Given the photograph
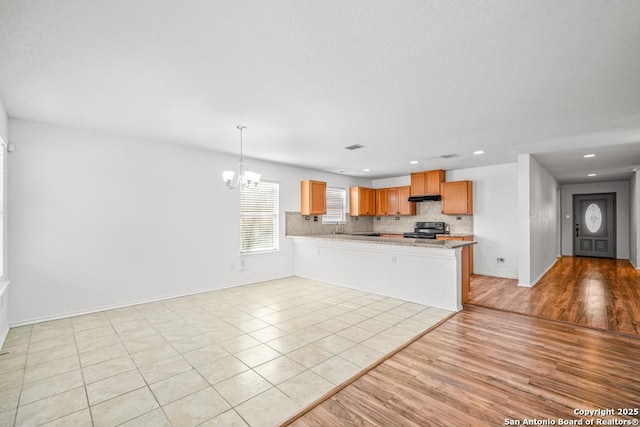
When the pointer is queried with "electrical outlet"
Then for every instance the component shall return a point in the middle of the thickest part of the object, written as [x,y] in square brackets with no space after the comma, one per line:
[500,260]
[394,260]
[233,266]
[242,264]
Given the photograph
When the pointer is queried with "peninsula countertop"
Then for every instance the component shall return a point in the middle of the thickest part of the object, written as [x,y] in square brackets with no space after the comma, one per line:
[420,243]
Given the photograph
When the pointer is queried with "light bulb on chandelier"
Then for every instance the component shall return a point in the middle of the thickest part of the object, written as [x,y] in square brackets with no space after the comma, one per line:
[246,178]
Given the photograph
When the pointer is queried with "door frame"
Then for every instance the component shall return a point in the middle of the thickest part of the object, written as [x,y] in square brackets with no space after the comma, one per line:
[614,240]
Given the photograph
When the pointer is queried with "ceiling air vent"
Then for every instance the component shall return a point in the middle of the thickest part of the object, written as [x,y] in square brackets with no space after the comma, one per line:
[354,147]
[449,156]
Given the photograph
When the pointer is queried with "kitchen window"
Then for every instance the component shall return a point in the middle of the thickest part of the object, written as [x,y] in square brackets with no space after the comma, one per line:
[259,218]
[336,206]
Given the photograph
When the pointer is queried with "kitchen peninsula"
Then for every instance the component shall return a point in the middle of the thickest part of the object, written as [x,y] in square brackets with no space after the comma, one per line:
[424,271]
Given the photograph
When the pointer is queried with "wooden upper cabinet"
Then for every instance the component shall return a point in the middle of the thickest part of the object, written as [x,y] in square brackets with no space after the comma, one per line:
[362,201]
[393,203]
[457,197]
[433,180]
[427,182]
[382,201]
[313,197]
[418,184]
[405,207]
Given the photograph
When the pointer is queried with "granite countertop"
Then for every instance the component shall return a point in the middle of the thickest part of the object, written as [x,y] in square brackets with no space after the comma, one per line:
[421,243]
[457,235]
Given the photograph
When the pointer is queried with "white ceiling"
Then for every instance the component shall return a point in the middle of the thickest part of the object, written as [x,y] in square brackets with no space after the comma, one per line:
[409,80]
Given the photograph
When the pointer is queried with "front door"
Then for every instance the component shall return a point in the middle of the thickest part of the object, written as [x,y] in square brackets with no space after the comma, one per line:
[594,233]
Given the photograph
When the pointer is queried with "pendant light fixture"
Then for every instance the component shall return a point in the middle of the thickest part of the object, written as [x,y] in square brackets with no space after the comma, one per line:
[246,178]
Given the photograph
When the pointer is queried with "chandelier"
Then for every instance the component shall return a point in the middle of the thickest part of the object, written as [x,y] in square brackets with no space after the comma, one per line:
[246,178]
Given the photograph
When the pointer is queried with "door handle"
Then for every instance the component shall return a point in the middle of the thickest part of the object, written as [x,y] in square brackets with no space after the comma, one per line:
[577,230]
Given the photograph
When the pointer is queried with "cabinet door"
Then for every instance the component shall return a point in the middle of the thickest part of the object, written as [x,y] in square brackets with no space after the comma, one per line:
[370,197]
[393,202]
[382,207]
[405,207]
[318,198]
[355,200]
[362,201]
[313,197]
[457,198]
[433,180]
[418,184]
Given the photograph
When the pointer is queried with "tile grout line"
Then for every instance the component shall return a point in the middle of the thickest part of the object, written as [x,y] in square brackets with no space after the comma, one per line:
[343,304]
[24,373]
[84,383]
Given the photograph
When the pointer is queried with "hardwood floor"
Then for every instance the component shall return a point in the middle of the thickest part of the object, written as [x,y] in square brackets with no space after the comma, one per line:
[483,367]
[594,292]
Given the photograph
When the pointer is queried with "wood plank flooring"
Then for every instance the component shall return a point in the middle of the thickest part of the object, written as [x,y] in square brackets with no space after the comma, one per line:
[594,292]
[484,366]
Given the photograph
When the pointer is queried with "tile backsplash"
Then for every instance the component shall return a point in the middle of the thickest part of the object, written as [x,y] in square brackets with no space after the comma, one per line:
[425,211]
[297,225]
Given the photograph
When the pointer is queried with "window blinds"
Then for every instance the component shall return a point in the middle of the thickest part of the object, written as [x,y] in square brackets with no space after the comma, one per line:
[336,205]
[259,218]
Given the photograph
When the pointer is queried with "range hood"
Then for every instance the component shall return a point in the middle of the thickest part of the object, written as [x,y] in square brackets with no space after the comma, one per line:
[435,197]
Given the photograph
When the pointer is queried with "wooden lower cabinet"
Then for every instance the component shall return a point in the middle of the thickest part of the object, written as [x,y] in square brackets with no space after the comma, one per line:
[467,264]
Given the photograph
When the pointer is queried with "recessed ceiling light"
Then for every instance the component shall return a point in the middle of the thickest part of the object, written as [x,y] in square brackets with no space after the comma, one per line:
[414,162]
[478,152]
[586,156]
[366,170]
[592,174]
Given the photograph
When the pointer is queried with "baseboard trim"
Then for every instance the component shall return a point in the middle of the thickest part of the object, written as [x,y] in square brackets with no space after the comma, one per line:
[137,302]
[3,335]
[533,283]
[4,311]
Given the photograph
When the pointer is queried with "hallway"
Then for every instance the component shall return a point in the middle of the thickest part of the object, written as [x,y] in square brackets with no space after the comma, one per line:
[598,293]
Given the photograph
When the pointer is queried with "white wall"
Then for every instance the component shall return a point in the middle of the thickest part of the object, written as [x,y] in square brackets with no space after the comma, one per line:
[621,188]
[4,290]
[538,208]
[495,221]
[634,219]
[101,221]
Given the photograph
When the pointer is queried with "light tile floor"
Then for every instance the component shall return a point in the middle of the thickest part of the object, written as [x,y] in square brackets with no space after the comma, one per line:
[249,355]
